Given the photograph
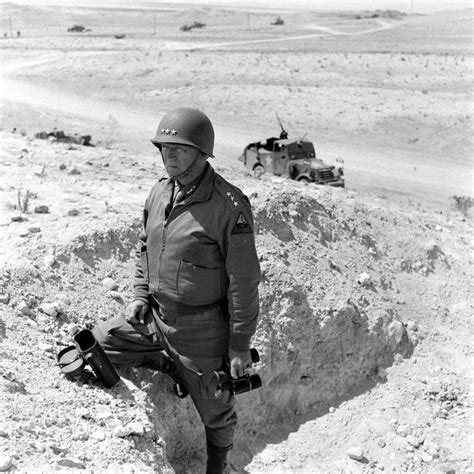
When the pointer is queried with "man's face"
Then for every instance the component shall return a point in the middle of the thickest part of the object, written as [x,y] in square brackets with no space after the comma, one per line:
[178,158]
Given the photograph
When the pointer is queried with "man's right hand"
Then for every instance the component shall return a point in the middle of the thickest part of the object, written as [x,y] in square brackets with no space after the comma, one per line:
[136,312]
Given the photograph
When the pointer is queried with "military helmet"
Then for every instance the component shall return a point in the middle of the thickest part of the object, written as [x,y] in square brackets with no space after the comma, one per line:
[186,126]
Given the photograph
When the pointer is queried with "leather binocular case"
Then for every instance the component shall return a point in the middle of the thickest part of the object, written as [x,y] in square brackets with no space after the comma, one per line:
[87,350]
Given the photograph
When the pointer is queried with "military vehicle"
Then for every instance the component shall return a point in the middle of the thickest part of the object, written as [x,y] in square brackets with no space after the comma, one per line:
[292,158]
[60,136]
[78,29]
[196,24]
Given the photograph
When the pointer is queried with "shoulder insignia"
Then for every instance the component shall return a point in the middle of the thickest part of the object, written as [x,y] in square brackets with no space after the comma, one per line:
[241,225]
[232,198]
[232,195]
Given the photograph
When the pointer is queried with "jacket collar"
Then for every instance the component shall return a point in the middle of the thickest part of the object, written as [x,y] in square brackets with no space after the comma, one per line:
[203,190]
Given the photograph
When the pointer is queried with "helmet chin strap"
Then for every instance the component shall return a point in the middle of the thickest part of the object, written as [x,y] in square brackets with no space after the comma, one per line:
[187,171]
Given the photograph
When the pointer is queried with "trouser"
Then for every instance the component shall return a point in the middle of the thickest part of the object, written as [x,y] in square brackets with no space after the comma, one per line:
[127,346]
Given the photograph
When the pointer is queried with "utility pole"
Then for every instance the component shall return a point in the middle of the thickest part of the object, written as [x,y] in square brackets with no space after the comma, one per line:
[11,30]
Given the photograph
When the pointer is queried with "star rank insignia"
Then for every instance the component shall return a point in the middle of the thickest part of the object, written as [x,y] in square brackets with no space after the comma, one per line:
[167,131]
[232,198]
[241,225]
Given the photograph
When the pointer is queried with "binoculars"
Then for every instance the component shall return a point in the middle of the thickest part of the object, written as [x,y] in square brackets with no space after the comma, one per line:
[241,384]
[87,350]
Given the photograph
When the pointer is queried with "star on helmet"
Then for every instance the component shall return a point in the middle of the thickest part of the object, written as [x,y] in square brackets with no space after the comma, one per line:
[186,126]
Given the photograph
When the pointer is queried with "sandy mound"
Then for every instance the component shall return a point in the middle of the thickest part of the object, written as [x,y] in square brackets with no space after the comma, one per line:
[349,288]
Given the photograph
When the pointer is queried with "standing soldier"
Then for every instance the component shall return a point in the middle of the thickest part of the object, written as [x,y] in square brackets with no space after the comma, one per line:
[196,284]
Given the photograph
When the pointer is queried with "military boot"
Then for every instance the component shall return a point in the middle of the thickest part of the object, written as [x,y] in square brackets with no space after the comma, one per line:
[217,459]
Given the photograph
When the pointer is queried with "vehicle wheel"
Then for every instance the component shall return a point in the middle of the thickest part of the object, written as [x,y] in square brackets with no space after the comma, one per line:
[258,170]
[304,180]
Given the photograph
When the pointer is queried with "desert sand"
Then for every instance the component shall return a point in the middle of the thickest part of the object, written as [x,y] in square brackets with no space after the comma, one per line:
[366,309]
[390,96]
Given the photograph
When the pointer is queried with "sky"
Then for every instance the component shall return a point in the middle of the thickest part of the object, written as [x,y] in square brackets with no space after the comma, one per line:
[408,6]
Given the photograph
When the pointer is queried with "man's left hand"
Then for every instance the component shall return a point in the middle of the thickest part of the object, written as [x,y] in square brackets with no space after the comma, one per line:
[239,361]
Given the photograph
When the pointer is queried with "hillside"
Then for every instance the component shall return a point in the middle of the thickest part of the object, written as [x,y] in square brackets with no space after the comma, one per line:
[364,331]
[366,300]
[392,98]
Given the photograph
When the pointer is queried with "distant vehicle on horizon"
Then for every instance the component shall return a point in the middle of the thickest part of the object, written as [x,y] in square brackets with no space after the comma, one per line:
[196,24]
[78,29]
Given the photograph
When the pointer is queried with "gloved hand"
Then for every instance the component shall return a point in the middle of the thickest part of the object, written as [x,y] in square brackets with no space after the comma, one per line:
[239,362]
[136,312]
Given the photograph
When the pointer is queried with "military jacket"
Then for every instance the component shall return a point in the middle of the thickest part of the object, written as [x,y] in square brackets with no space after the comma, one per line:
[203,252]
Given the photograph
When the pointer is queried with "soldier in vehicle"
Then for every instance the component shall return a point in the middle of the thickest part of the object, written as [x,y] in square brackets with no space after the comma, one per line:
[196,284]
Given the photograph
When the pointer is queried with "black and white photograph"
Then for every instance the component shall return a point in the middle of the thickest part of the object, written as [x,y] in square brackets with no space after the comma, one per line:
[236,236]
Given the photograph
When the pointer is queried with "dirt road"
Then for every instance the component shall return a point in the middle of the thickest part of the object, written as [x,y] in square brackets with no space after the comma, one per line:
[378,170]
[405,172]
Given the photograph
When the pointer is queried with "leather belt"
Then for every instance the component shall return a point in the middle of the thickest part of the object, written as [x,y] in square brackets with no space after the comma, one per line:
[165,305]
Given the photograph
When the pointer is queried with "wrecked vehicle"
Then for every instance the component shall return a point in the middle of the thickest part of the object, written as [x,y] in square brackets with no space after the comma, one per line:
[78,29]
[291,158]
[60,136]
[196,24]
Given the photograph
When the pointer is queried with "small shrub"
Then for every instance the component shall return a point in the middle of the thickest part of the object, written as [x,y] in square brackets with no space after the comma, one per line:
[24,200]
[42,173]
[463,204]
